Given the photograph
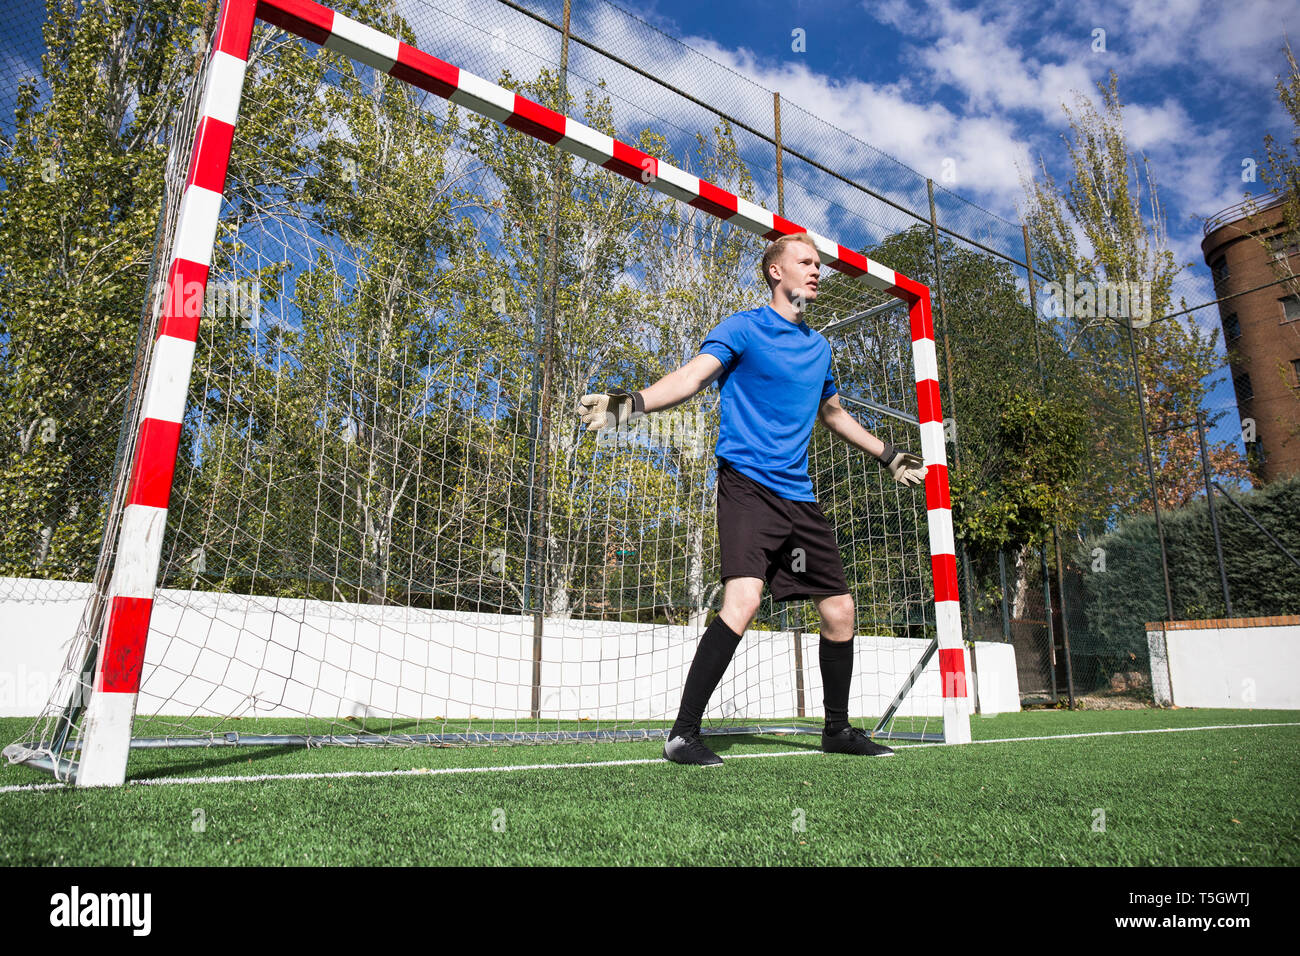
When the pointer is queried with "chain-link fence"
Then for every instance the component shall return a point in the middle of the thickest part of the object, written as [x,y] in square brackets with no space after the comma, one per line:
[78,232]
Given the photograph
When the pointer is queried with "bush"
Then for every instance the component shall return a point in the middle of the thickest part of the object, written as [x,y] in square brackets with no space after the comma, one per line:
[1119,601]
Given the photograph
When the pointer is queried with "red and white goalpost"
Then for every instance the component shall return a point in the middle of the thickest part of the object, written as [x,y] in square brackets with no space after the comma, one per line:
[107,724]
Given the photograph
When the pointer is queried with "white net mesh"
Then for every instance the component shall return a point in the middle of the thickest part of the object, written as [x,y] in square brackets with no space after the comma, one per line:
[386,523]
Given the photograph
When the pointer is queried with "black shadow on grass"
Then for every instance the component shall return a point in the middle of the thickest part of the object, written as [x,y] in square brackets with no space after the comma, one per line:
[234,755]
[722,744]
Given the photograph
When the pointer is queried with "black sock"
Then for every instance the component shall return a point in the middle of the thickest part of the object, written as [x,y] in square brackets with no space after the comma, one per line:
[836,659]
[711,659]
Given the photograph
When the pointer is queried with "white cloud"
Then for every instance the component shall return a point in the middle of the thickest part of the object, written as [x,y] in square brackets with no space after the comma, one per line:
[1012,65]
[976,52]
[921,135]
[1148,126]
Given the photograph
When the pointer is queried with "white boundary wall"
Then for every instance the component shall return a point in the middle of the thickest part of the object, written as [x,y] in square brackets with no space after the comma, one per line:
[1234,662]
[996,680]
[227,655]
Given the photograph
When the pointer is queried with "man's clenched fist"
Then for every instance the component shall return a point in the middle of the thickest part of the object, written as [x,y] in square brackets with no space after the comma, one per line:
[907,469]
[609,409]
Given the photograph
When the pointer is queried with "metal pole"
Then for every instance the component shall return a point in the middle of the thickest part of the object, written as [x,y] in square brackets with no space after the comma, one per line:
[1047,612]
[797,637]
[800,704]
[532,428]
[780,176]
[1047,578]
[544,332]
[1151,472]
[1033,297]
[1006,610]
[1065,622]
[1214,518]
[908,683]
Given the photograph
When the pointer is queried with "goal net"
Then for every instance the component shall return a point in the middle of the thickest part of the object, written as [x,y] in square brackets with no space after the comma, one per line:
[355,504]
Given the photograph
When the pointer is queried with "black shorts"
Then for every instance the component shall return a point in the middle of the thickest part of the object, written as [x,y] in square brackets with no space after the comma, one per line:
[789,544]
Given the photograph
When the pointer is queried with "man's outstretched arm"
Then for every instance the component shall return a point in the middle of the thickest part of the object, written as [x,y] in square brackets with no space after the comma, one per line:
[904,466]
[615,408]
[676,387]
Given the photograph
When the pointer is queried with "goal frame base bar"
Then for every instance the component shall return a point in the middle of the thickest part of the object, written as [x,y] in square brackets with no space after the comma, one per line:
[235,739]
[63,769]
[66,768]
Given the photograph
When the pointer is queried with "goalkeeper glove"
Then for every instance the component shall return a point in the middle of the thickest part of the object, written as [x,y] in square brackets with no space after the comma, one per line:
[610,409]
[907,469]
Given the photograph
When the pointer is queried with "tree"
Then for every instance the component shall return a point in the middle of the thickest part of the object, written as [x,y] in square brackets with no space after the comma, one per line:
[328,439]
[700,272]
[1017,448]
[1104,232]
[1281,168]
[83,178]
[626,277]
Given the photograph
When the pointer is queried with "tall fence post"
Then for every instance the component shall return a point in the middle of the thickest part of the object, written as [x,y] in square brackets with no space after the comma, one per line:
[797,636]
[1047,613]
[1006,608]
[780,176]
[1151,471]
[1065,616]
[1047,578]
[544,335]
[1214,518]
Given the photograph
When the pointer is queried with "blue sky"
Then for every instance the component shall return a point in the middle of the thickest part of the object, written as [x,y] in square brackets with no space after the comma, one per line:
[967,93]
[983,83]
[976,89]
[979,85]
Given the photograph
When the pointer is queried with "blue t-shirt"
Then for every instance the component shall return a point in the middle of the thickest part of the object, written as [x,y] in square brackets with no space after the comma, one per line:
[775,375]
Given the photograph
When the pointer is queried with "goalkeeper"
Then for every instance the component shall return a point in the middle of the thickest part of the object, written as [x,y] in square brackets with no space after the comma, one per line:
[775,377]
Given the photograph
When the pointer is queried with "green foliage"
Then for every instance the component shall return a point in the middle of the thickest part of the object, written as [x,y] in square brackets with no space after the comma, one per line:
[1129,592]
[1018,433]
[1041,448]
[82,180]
[1111,201]
[350,450]
[1281,167]
[312,433]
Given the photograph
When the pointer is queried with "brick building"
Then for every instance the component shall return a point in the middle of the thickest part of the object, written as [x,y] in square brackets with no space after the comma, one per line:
[1261,329]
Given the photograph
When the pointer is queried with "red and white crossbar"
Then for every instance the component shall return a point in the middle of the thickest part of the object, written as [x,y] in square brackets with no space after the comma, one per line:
[107,729]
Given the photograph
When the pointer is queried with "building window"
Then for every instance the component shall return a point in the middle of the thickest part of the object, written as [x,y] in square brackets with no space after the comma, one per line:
[1283,248]
[1219,269]
[1231,327]
[1291,308]
[1295,371]
[1241,385]
[1256,457]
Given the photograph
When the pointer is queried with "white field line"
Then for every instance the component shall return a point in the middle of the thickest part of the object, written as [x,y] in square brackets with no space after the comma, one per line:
[508,768]
[1115,733]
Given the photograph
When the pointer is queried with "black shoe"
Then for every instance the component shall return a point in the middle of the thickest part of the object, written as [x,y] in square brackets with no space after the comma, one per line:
[690,750]
[851,740]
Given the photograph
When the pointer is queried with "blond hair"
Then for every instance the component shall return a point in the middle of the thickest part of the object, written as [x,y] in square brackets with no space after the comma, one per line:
[776,247]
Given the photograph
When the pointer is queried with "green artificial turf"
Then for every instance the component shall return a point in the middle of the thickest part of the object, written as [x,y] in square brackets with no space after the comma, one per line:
[1212,797]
